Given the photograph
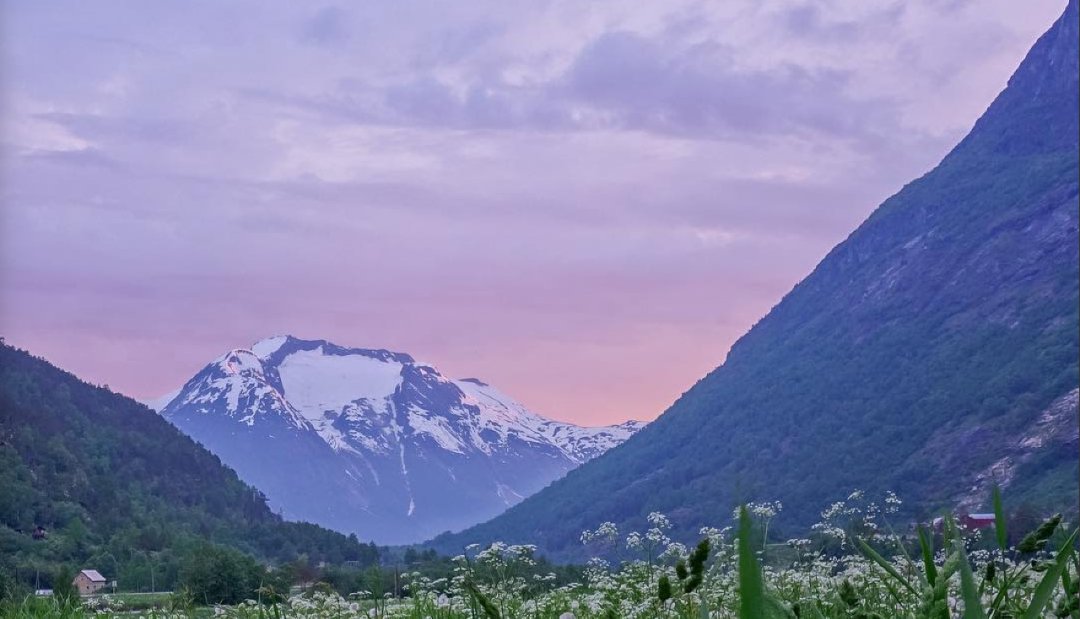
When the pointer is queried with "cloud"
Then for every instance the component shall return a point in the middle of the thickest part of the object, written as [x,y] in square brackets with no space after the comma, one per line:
[585,204]
[326,28]
[634,83]
[624,81]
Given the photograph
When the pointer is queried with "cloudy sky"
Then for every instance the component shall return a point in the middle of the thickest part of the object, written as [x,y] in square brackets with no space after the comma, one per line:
[583,203]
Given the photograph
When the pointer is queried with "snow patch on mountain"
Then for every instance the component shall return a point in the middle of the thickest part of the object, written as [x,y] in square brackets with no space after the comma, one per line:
[266,347]
[395,438]
[437,428]
[504,415]
[317,383]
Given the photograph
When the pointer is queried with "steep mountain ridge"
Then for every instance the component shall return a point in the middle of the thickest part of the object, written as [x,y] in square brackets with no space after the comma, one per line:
[949,318]
[372,441]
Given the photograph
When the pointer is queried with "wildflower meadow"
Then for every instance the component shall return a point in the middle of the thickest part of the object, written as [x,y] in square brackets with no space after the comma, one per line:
[853,564]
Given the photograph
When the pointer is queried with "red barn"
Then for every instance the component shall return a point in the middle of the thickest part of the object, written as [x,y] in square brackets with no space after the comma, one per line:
[976,521]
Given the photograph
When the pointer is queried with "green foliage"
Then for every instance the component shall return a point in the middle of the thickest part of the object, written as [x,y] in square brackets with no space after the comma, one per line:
[751,588]
[63,586]
[698,557]
[490,610]
[848,595]
[1037,539]
[42,608]
[926,547]
[120,490]
[1050,580]
[218,575]
[1000,531]
[968,589]
[663,589]
[889,568]
[933,588]
[10,588]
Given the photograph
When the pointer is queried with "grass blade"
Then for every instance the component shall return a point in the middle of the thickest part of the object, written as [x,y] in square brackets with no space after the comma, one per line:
[1003,592]
[926,543]
[751,588]
[1045,590]
[999,521]
[885,565]
[776,610]
[969,592]
[490,610]
[1067,585]
[809,610]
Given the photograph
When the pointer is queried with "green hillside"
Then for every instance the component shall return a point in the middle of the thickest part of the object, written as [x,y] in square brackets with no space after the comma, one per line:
[917,356]
[119,489]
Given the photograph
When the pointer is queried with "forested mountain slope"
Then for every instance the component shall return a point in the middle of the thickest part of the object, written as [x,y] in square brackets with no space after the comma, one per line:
[919,356]
[117,487]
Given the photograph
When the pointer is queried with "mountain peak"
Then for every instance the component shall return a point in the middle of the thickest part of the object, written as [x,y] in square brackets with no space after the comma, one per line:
[268,346]
[399,447]
[285,344]
[1034,113]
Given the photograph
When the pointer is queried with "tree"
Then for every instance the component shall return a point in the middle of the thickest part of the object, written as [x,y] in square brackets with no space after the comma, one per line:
[63,585]
[219,575]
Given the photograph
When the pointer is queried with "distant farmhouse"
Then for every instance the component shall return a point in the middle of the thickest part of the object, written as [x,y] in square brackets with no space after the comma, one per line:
[976,521]
[89,582]
[967,521]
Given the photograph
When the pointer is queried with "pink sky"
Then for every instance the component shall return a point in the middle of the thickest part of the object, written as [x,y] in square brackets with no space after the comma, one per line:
[582,204]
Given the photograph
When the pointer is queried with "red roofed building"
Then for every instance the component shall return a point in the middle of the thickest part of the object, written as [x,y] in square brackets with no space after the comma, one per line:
[976,521]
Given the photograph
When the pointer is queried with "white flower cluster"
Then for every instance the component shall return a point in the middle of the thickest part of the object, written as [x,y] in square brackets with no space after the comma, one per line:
[766,511]
[607,532]
[803,569]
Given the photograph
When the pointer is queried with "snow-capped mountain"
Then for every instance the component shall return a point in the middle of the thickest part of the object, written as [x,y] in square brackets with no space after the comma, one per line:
[372,441]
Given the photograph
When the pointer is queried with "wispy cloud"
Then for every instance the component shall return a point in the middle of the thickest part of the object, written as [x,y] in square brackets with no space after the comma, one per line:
[583,203]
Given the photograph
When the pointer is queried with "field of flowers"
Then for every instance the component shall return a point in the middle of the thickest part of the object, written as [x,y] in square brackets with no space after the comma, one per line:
[841,571]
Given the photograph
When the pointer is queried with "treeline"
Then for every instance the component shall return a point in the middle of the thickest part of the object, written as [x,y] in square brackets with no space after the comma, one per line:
[92,479]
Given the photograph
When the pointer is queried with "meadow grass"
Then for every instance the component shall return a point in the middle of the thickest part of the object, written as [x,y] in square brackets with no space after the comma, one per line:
[853,566]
